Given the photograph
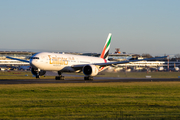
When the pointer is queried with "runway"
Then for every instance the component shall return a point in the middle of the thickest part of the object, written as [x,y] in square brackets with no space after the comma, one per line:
[42,81]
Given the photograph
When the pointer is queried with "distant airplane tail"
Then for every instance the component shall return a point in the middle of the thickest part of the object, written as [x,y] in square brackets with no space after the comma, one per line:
[106,48]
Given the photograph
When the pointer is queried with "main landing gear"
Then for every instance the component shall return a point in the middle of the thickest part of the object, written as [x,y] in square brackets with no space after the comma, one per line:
[88,78]
[60,77]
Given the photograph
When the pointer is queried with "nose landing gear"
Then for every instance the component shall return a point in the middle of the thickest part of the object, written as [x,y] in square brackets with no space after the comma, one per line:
[37,76]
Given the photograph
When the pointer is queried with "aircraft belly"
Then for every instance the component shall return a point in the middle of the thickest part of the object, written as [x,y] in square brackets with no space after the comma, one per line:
[67,69]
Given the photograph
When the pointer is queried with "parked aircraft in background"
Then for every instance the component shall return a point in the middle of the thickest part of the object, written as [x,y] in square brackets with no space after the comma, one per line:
[90,66]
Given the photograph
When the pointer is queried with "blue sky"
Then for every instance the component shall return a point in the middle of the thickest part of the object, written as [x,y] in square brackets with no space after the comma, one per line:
[137,26]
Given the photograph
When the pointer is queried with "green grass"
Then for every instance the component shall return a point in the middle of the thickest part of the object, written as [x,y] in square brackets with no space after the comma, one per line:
[136,100]
[28,75]
[141,74]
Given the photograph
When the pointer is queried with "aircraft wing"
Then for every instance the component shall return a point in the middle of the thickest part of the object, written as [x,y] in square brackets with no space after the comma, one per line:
[118,62]
[17,59]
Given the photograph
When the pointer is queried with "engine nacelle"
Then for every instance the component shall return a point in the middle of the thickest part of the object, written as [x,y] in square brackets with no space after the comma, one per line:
[90,70]
[35,72]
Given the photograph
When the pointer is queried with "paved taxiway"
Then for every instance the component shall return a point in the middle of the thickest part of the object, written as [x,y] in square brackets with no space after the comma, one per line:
[40,81]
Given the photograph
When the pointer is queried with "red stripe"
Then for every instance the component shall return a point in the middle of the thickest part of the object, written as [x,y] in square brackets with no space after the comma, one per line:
[102,54]
[103,67]
[105,60]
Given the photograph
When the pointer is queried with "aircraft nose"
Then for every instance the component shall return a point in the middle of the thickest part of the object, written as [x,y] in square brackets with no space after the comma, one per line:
[33,61]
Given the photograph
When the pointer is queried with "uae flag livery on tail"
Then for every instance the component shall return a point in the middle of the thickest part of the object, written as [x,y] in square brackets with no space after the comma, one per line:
[106,48]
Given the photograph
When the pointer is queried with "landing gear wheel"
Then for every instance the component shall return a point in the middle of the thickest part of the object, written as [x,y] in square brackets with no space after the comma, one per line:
[59,78]
[37,76]
[88,78]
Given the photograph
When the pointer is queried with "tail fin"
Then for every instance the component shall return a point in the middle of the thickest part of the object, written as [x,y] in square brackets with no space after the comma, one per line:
[106,48]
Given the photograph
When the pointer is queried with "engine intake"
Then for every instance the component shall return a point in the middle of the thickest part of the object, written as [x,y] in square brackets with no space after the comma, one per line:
[90,70]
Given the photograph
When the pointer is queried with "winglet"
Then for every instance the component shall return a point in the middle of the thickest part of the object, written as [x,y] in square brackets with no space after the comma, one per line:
[106,48]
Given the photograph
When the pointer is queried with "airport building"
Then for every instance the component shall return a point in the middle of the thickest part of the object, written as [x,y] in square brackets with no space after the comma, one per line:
[16,54]
[120,57]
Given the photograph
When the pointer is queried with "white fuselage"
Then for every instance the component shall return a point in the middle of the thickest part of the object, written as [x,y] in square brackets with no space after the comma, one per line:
[61,62]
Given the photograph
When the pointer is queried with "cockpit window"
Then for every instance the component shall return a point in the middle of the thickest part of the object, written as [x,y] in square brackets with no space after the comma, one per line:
[34,57]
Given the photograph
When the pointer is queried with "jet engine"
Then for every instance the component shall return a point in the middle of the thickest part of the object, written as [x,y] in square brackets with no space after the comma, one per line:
[90,70]
[35,72]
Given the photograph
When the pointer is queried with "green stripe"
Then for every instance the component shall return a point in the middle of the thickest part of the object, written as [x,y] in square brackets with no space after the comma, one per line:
[108,43]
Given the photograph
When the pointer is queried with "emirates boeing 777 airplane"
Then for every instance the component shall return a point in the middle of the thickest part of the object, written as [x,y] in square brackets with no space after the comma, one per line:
[90,66]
